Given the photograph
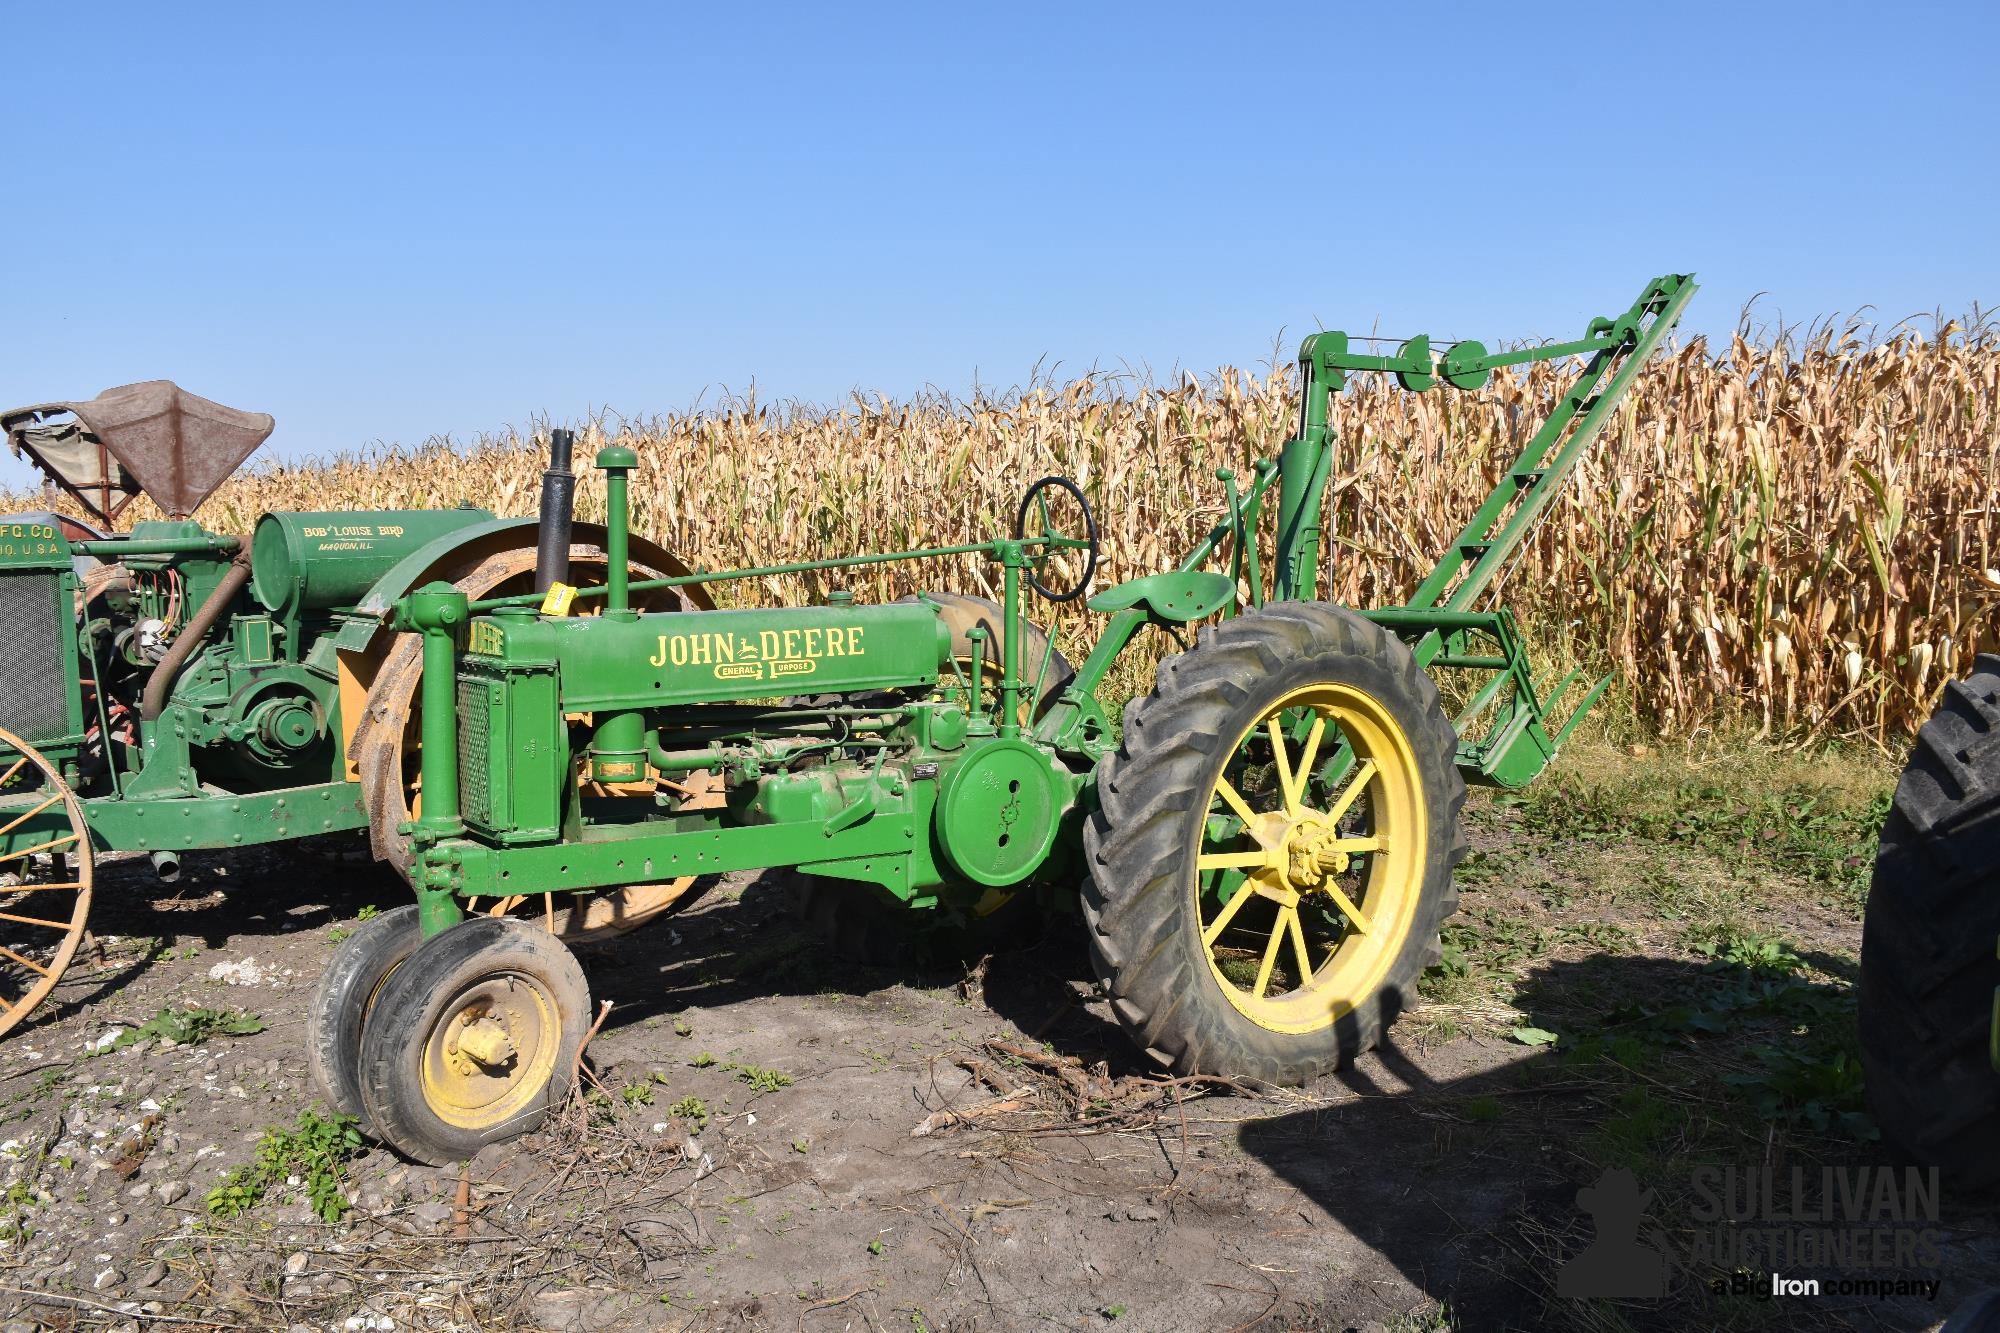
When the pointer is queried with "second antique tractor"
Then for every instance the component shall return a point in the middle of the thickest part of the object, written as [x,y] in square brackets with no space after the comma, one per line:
[1262,846]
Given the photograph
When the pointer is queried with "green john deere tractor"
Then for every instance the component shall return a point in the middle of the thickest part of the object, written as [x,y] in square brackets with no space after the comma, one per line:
[1262,852]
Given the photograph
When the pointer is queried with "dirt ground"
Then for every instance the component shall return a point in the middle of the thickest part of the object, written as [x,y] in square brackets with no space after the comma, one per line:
[774,1141]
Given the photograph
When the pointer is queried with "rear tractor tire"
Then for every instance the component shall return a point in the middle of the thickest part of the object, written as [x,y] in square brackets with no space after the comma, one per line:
[471,1040]
[1272,856]
[1928,964]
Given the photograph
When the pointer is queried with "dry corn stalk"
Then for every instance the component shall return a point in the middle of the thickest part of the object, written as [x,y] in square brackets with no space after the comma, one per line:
[1799,531]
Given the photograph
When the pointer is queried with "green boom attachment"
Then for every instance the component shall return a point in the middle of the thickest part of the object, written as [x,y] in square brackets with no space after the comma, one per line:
[1439,621]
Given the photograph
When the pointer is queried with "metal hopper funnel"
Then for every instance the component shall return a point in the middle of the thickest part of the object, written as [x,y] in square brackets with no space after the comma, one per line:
[154,438]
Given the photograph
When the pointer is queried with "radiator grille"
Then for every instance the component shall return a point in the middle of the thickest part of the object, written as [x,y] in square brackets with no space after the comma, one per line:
[34,698]
[474,718]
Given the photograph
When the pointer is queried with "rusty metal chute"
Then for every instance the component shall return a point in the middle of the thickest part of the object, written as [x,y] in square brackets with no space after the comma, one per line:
[152,438]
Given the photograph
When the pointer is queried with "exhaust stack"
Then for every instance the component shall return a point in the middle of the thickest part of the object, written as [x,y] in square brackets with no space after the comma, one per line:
[558,506]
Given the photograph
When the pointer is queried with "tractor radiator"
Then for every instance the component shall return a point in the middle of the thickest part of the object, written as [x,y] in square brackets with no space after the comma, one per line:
[34,697]
[513,755]
[475,745]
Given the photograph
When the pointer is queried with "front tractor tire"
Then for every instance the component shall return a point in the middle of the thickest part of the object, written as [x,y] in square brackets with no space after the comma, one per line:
[341,1002]
[1273,851]
[1928,940]
[472,1038]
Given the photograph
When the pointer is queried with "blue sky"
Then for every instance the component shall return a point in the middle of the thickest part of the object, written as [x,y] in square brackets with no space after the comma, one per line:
[387,223]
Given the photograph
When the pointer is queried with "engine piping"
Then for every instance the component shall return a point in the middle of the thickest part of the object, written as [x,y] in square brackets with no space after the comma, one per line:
[190,638]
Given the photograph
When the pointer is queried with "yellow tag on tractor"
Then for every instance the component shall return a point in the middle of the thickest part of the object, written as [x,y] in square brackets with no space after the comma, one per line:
[1261,846]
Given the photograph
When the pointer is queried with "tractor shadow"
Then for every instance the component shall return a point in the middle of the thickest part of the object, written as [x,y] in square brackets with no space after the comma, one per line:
[223,899]
[1461,1162]
[744,941]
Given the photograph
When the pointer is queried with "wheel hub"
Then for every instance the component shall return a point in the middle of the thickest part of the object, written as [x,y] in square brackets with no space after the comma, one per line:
[481,1045]
[1302,853]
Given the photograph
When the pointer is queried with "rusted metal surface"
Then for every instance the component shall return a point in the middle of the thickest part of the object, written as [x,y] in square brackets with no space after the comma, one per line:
[153,437]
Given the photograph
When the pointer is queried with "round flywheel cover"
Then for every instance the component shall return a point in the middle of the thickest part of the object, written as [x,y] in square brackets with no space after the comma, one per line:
[997,812]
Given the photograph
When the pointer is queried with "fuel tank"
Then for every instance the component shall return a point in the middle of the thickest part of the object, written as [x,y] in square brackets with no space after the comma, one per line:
[312,561]
[660,660]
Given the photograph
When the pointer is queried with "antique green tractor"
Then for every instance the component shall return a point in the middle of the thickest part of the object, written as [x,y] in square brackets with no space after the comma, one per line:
[171,689]
[1262,850]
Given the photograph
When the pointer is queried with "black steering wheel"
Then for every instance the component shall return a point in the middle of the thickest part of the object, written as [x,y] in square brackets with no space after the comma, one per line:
[1050,541]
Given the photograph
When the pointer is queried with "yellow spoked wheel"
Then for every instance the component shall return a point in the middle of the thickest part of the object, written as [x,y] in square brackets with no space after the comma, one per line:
[1312,858]
[1272,853]
[471,1039]
[493,1051]
[46,871]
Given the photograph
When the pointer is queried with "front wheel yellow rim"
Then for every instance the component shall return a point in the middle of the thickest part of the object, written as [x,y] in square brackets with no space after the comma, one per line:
[1310,859]
[491,1052]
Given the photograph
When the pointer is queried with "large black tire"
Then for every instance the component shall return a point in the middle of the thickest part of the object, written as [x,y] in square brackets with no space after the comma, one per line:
[340,1003]
[1928,965]
[490,969]
[1154,796]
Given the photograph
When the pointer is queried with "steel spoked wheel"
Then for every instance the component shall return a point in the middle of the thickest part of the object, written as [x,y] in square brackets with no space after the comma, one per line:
[976,684]
[46,872]
[471,1039]
[1310,866]
[1272,853]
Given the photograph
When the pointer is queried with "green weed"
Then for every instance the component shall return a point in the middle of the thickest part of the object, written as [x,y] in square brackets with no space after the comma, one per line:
[759,1078]
[315,1149]
[188,1027]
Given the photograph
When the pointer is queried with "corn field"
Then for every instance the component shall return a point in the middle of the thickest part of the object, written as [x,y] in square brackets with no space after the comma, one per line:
[1796,532]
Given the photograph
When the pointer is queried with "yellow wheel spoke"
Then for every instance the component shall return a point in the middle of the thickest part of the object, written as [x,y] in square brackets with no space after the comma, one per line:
[1353,792]
[1233,861]
[35,921]
[1284,763]
[1226,915]
[1347,908]
[6,889]
[1234,800]
[1355,846]
[1271,952]
[1306,756]
[8,776]
[27,852]
[1298,935]
[26,815]
[28,963]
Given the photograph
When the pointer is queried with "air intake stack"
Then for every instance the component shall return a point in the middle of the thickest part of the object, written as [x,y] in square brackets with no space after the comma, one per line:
[558,507]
